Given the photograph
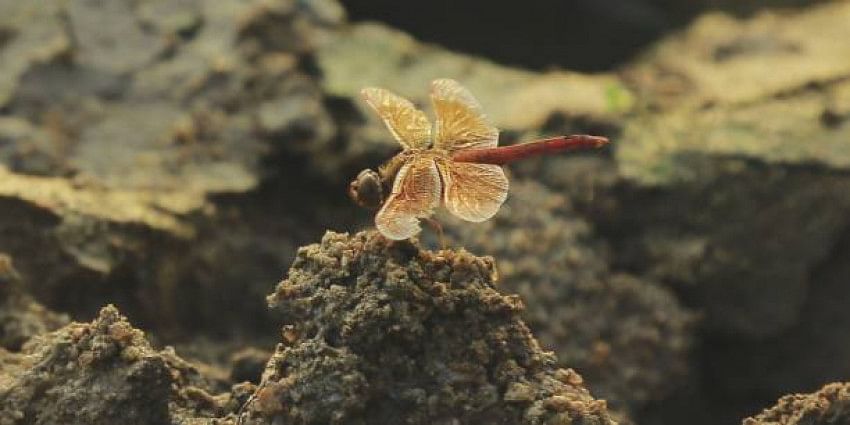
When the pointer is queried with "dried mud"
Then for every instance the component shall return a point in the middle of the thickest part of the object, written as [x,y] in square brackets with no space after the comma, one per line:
[379,332]
[103,372]
[829,405]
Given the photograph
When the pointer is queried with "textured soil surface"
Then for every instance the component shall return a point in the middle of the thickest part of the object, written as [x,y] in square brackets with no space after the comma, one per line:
[103,372]
[162,162]
[829,405]
[381,332]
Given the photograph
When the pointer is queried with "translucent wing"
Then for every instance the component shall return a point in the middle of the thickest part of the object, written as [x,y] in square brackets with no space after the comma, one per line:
[473,192]
[408,125]
[416,193]
[460,122]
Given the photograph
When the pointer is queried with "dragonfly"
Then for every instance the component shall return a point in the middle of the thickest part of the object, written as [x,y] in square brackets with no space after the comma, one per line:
[457,163]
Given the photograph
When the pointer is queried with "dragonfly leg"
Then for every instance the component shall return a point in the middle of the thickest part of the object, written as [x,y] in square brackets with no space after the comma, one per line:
[439,229]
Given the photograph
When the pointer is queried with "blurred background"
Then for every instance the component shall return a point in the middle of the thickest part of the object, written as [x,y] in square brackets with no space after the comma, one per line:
[171,156]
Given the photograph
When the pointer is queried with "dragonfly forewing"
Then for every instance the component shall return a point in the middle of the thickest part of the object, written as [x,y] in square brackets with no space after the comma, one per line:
[460,121]
[410,126]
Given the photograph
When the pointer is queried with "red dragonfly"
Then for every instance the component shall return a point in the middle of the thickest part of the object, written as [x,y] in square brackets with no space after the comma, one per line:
[460,169]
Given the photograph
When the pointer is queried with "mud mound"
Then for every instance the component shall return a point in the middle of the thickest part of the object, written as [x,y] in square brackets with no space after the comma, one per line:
[385,332]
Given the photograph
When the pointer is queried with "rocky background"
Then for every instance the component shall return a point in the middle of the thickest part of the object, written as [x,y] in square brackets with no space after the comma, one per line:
[162,161]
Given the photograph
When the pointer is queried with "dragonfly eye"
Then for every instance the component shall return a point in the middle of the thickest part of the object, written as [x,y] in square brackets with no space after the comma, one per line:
[366,190]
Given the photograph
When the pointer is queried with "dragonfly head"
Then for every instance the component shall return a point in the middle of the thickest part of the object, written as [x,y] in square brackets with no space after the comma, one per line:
[367,189]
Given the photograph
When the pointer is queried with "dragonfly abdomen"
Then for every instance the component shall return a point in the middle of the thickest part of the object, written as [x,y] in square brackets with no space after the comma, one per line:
[506,154]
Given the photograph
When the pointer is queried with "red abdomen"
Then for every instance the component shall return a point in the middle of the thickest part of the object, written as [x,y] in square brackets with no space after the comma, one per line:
[505,154]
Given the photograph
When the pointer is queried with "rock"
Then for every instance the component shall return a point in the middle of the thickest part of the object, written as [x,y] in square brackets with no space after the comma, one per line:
[742,187]
[248,364]
[762,370]
[128,132]
[108,36]
[36,38]
[581,35]
[30,150]
[729,185]
[103,372]
[383,332]
[11,365]
[62,233]
[829,405]
[706,63]
[21,317]
[786,131]
[374,55]
[628,337]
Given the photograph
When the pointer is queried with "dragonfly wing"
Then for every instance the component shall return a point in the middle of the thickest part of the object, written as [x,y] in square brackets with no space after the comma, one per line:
[461,124]
[416,194]
[408,125]
[473,192]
